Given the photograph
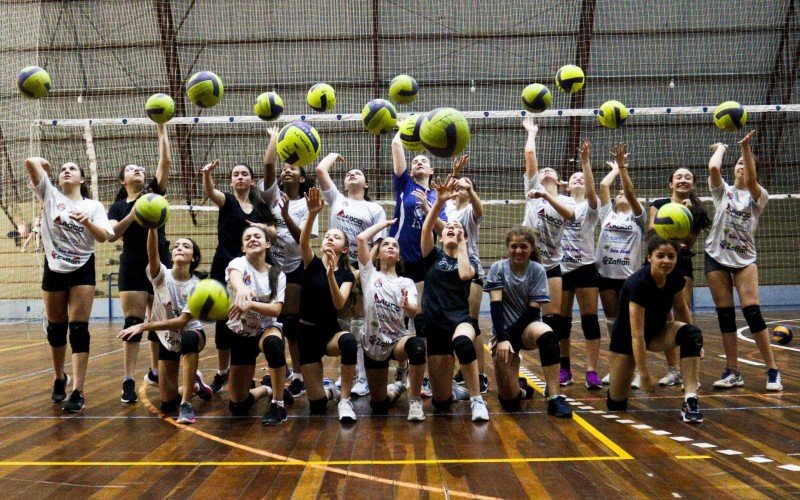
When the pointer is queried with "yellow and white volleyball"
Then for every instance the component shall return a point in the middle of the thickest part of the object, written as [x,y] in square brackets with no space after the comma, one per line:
[299,144]
[612,114]
[403,89]
[409,132]
[205,89]
[730,116]
[34,82]
[444,132]
[151,211]
[268,106]
[209,301]
[379,116]
[673,221]
[160,108]
[570,79]
[321,97]
[536,98]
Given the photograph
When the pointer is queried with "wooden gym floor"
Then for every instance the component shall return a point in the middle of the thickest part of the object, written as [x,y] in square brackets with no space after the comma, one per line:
[748,446]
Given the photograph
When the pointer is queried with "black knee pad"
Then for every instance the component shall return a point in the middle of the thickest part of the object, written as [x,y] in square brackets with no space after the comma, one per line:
[511,404]
[57,334]
[690,339]
[590,326]
[752,314]
[380,407]
[318,406]
[727,319]
[415,350]
[616,405]
[171,406]
[475,326]
[133,321]
[464,349]
[274,351]
[419,325]
[242,409]
[290,323]
[349,348]
[190,342]
[549,350]
[79,336]
[442,405]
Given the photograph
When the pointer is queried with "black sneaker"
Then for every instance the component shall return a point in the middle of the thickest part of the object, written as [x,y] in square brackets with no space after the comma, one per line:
[275,415]
[690,411]
[459,378]
[150,378]
[297,388]
[60,389]
[526,388]
[558,406]
[266,380]
[128,391]
[75,403]
[483,381]
[218,382]
[288,399]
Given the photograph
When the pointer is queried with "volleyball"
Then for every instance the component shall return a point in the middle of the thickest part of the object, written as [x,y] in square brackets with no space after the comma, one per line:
[268,106]
[730,116]
[151,210]
[205,89]
[612,114]
[209,301]
[403,89]
[782,334]
[321,97]
[673,221]
[409,132]
[160,108]
[34,82]
[379,116]
[570,79]
[444,132]
[299,144]
[536,98]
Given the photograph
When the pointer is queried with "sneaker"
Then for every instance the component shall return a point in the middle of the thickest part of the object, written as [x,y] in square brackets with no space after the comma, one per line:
[360,387]
[774,380]
[128,391]
[401,375]
[347,414]
[150,378]
[415,411]
[607,379]
[331,391]
[637,380]
[480,413]
[460,393]
[558,406]
[729,379]
[266,380]
[186,414]
[459,378]
[75,403]
[60,389]
[204,392]
[526,388]
[219,381]
[483,382]
[546,391]
[593,382]
[338,382]
[394,391]
[426,391]
[288,399]
[297,388]
[289,373]
[673,377]
[565,377]
[690,411]
[275,415]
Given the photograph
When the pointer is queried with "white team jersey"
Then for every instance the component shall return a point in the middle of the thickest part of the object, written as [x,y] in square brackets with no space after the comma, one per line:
[251,323]
[619,248]
[286,250]
[68,244]
[578,239]
[731,239]
[467,219]
[383,316]
[170,301]
[352,217]
[547,224]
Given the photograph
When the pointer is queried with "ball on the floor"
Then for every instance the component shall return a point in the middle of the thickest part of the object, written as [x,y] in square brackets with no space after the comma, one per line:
[536,98]
[160,108]
[299,144]
[379,116]
[34,82]
[209,301]
[730,116]
[444,132]
[612,114]
[409,132]
[151,211]
[268,106]
[403,89]
[570,79]
[321,97]
[782,334]
[673,221]
[205,89]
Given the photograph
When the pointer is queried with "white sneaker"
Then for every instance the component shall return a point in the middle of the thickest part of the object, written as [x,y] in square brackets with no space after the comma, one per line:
[330,389]
[338,382]
[673,377]
[460,393]
[729,380]
[774,380]
[607,379]
[426,391]
[347,413]
[360,387]
[415,411]
[394,391]
[401,375]
[637,380]
[480,413]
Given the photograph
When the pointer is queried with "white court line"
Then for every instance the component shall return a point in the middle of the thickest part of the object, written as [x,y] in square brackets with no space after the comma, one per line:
[730,452]
[745,361]
[625,421]
[791,467]
[641,426]
[681,439]
[759,459]
[660,433]
[704,445]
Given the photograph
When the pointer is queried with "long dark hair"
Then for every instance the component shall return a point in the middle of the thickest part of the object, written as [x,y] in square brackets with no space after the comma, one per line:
[122,194]
[304,186]
[526,233]
[274,270]
[84,189]
[700,219]
[655,241]
[262,210]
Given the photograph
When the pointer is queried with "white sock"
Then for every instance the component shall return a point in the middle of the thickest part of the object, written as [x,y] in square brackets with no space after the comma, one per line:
[689,395]
[297,376]
[475,398]
[154,371]
[222,372]
[279,403]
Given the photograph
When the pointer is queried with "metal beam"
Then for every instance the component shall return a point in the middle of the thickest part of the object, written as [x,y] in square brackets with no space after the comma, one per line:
[582,56]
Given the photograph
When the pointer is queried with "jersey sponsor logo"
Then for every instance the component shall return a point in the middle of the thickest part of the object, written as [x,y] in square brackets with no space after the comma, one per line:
[731,209]
[419,216]
[386,304]
[65,258]
[61,206]
[446,266]
[377,341]
[612,261]
[349,218]
[567,258]
[736,248]
[378,283]
[549,218]
[614,226]
[68,224]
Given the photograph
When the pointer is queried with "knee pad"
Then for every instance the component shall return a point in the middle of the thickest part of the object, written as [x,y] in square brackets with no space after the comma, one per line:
[415,350]
[442,405]
[318,406]
[349,348]
[590,326]
[242,409]
[511,404]
[132,321]
[419,325]
[380,407]
[57,334]
[464,349]
[274,351]
[475,325]
[79,336]
[616,405]
[727,319]
[190,342]
[549,351]
[171,406]
[752,314]
[290,323]
[690,339]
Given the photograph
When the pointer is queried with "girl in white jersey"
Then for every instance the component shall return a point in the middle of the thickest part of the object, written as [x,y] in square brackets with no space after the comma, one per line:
[546,212]
[730,259]
[71,223]
[579,273]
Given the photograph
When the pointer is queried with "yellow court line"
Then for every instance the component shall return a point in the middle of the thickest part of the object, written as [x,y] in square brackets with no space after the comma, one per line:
[22,347]
[692,457]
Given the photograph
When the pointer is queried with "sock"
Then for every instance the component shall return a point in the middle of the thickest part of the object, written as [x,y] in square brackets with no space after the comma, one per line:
[279,403]
[564,363]
[475,398]
[689,395]
[127,378]
[554,396]
[222,372]
[298,376]
[154,371]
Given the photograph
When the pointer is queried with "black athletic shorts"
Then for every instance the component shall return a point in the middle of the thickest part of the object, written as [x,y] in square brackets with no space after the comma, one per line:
[622,344]
[583,277]
[132,278]
[609,284]
[165,354]
[711,265]
[684,265]
[296,276]
[554,272]
[53,281]
[415,271]
[440,340]
[244,350]
[313,341]
[371,364]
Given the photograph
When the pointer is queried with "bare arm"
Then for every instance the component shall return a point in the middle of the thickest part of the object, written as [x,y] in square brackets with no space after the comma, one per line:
[422,198]
[173,324]
[323,169]
[750,178]
[35,168]
[531,162]
[291,225]
[562,209]
[215,195]
[681,309]
[426,237]
[398,156]
[475,201]
[120,227]
[315,203]
[98,233]
[715,165]
[607,182]
[588,176]
[637,338]
[270,158]
[164,158]
[153,262]
[465,270]
[410,308]
[363,239]
[621,154]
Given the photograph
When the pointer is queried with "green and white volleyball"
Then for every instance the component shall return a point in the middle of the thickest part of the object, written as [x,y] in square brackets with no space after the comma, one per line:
[34,82]
[379,116]
[160,108]
[409,132]
[299,144]
[403,89]
[205,89]
[321,97]
[444,132]
[268,106]
[536,98]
